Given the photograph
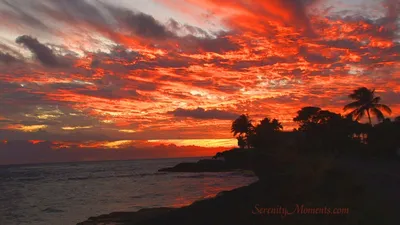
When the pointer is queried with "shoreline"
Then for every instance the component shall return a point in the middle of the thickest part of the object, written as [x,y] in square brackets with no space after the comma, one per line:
[347,184]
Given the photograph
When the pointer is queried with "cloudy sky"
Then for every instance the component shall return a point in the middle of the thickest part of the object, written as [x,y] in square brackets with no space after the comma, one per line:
[96,73]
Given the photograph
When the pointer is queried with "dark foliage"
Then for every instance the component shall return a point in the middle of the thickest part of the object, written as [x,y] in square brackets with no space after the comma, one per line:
[384,138]
[266,134]
[323,131]
[241,129]
[366,103]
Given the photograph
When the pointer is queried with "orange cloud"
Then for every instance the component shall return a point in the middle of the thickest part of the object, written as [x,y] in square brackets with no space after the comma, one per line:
[268,58]
[29,128]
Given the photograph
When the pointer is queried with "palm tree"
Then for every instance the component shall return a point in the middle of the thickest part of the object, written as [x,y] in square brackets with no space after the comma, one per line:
[268,124]
[266,133]
[307,114]
[306,117]
[366,102]
[241,142]
[242,126]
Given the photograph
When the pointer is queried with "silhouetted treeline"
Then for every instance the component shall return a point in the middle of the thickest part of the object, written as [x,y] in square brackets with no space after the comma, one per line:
[324,131]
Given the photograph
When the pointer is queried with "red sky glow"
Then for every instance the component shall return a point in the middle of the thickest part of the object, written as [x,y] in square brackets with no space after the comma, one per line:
[105,74]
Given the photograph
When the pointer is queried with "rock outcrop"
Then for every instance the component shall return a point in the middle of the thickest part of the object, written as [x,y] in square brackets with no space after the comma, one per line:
[204,165]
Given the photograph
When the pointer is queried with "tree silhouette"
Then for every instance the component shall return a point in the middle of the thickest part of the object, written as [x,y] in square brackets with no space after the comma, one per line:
[266,133]
[384,138]
[322,130]
[307,116]
[397,119]
[267,124]
[242,126]
[366,102]
[241,142]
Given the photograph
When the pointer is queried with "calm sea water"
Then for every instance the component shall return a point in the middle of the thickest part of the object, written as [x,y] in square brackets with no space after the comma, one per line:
[67,193]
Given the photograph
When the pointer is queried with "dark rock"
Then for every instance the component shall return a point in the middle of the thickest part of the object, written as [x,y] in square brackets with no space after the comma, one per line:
[204,165]
[126,217]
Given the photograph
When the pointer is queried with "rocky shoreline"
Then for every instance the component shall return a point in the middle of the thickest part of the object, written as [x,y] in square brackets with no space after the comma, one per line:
[127,217]
[320,183]
[204,165]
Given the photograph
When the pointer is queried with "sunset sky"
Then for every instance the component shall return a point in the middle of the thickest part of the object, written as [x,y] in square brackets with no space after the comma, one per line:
[110,74]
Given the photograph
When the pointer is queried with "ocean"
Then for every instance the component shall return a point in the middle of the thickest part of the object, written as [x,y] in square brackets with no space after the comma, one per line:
[68,193]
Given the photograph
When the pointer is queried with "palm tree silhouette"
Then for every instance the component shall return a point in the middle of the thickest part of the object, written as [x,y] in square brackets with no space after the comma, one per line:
[266,133]
[242,126]
[268,124]
[241,142]
[366,102]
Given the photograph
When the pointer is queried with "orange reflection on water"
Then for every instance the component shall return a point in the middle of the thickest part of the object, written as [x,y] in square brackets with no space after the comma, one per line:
[211,187]
[36,141]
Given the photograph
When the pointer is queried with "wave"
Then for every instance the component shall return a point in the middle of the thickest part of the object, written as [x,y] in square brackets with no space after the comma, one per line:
[212,175]
[28,179]
[115,176]
[52,210]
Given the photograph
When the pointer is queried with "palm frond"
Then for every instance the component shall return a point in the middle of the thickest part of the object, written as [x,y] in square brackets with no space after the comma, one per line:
[352,105]
[352,113]
[362,94]
[378,114]
[359,114]
[384,108]
[376,100]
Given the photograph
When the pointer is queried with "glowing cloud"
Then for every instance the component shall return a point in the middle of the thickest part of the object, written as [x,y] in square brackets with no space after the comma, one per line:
[30,128]
[76,128]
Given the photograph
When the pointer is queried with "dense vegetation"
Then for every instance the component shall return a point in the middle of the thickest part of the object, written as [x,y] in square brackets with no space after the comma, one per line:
[324,131]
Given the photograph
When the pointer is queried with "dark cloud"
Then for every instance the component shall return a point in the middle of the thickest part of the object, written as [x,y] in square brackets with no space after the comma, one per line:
[201,113]
[203,83]
[43,53]
[105,18]
[43,152]
[17,98]
[342,43]
[20,12]
[298,9]
[268,61]
[391,96]
[315,58]
[146,86]
[292,12]
[218,45]
[110,93]
[145,25]
[385,27]
[45,135]
[186,29]
[161,62]
[68,86]
[117,55]
[139,23]
[394,49]
[71,11]
[80,10]
[392,13]
[7,58]
[9,50]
